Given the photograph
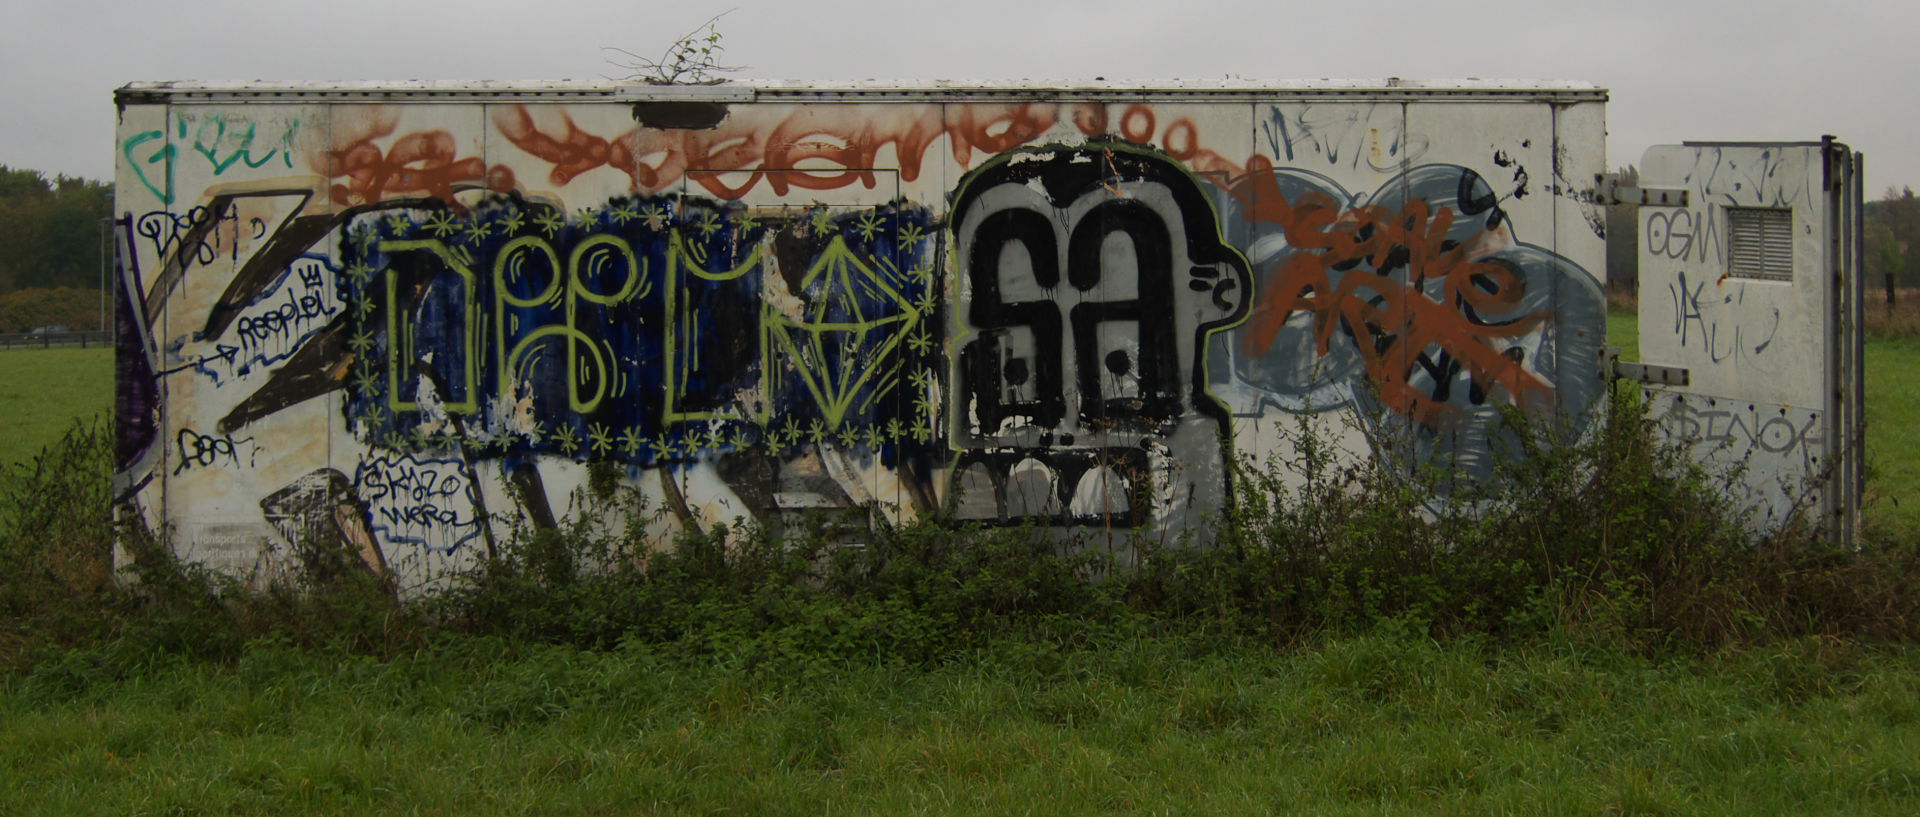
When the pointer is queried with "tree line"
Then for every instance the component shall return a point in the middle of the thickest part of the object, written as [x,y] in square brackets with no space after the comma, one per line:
[1893,241]
[53,247]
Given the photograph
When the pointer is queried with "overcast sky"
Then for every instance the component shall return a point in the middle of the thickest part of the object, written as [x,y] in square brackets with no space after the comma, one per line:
[1758,70]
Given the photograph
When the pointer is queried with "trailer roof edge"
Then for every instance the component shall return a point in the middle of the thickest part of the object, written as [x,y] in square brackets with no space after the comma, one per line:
[868,90]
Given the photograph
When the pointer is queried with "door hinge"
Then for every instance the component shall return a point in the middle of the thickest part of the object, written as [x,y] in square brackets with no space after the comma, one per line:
[1613,192]
[1652,373]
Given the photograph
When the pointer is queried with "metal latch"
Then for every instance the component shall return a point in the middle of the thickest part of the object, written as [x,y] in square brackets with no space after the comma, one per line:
[1613,192]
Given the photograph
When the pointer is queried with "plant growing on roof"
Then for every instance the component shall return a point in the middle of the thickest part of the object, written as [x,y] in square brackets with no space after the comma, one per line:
[692,59]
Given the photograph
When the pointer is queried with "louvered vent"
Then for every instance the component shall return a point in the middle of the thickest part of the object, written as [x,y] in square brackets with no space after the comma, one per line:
[1760,243]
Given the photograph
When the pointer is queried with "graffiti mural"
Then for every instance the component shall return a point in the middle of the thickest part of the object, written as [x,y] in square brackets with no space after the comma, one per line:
[1090,280]
[647,330]
[1416,301]
[402,339]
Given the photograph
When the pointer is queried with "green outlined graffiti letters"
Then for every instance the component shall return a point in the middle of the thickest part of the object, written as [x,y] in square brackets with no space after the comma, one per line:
[403,338]
[590,260]
[844,353]
[225,142]
[647,330]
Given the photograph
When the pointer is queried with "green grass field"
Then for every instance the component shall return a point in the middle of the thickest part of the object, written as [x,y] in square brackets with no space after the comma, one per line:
[46,390]
[1893,434]
[1144,718]
[1623,333]
[1370,725]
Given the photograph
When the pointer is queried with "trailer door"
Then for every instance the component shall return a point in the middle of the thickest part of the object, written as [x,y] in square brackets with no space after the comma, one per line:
[1750,310]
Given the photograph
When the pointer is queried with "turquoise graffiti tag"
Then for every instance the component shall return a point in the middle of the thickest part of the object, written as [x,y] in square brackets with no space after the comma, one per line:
[162,156]
[222,147]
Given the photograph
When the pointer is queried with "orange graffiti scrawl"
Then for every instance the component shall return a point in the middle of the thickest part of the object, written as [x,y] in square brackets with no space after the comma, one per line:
[1392,318]
[815,148]
[423,162]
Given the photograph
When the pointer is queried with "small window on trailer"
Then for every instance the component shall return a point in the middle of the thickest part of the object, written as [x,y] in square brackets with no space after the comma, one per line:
[1760,243]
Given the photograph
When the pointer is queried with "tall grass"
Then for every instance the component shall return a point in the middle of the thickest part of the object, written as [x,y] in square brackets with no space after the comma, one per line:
[56,560]
[1588,632]
[1382,723]
[1612,538]
[1899,318]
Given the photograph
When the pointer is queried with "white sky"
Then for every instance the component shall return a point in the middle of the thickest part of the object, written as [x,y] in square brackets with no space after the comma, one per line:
[1677,70]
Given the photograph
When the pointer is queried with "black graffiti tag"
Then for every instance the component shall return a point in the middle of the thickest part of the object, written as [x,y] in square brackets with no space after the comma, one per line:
[300,307]
[414,500]
[196,234]
[204,451]
[1094,280]
[1681,234]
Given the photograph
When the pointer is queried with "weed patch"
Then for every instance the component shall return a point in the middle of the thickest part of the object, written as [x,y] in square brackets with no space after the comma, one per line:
[1610,540]
[1589,631]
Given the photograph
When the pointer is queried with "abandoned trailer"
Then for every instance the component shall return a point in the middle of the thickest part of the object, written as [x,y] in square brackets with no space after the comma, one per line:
[412,318]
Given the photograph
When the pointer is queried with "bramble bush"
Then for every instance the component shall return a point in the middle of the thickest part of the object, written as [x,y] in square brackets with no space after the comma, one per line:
[1612,539]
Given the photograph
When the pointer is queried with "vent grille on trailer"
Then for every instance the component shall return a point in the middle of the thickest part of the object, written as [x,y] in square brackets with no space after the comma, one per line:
[1760,243]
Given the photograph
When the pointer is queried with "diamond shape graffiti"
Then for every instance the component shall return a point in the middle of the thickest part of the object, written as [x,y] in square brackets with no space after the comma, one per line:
[844,350]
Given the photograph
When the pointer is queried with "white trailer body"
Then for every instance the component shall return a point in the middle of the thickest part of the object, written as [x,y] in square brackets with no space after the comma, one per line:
[414,319]
[1750,282]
